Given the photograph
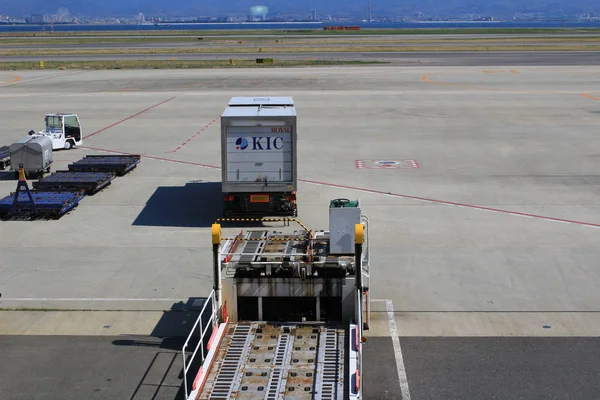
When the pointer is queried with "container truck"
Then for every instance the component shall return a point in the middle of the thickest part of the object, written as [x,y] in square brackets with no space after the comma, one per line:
[286,317]
[258,157]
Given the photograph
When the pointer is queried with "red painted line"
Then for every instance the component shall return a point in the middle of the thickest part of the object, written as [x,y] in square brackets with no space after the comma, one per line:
[452,203]
[193,136]
[374,191]
[128,118]
[154,158]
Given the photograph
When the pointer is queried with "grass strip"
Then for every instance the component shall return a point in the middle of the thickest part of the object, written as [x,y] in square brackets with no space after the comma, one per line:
[292,49]
[174,64]
[292,40]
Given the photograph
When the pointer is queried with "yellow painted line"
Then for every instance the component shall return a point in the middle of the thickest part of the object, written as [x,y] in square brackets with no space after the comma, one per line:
[121,90]
[15,78]
[425,78]
[589,96]
[491,72]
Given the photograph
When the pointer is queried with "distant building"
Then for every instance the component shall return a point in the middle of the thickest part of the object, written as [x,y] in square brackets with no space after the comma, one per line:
[36,19]
[314,15]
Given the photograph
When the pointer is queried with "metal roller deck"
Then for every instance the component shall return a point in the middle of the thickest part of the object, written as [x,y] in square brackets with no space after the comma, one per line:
[258,361]
[39,204]
[91,182]
[119,164]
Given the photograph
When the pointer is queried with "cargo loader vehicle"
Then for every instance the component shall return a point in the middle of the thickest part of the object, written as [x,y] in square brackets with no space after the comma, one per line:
[287,315]
[258,157]
[64,129]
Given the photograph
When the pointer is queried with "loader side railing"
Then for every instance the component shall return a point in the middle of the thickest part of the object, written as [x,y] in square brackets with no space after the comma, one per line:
[200,329]
[355,352]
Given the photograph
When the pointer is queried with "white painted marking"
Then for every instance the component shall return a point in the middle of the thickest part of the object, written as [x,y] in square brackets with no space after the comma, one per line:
[82,299]
[397,351]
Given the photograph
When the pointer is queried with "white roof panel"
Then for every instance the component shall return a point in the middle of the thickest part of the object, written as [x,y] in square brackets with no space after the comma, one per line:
[258,101]
[260,107]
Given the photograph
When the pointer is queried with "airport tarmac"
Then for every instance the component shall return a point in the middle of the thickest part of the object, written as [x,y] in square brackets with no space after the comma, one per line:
[483,243]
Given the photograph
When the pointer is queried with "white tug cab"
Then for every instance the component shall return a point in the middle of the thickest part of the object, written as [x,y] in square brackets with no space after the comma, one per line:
[64,130]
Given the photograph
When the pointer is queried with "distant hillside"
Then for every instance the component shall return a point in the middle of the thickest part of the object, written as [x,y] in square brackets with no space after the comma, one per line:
[323,7]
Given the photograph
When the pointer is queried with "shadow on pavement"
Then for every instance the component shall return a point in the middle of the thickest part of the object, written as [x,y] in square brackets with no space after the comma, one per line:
[197,204]
[168,337]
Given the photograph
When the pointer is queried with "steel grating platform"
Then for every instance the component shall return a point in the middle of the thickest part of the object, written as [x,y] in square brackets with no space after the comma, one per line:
[119,164]
[46,204]
[91,182]
[261,361]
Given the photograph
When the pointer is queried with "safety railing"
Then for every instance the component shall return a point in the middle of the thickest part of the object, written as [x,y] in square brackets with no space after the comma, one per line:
[365,261]
[202,330]
[366,271]
[355,352]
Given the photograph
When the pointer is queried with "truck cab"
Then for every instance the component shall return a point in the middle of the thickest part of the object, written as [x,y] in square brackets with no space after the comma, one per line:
[64,130]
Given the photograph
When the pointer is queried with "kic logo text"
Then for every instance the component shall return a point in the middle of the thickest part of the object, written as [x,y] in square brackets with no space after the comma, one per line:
[260,143]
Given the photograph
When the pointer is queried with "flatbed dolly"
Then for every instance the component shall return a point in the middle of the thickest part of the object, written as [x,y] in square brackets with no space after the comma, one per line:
[90,182]
[119,164]
[33,204]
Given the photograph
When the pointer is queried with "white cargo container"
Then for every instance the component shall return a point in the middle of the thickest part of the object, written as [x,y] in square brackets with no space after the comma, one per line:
[34,154]
[258,142]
